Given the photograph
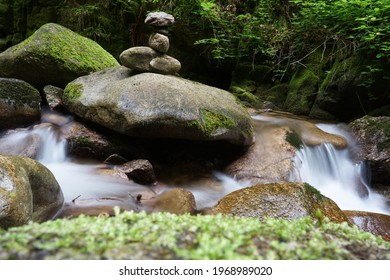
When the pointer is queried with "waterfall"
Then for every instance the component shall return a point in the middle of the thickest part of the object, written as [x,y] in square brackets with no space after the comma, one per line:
[334,173]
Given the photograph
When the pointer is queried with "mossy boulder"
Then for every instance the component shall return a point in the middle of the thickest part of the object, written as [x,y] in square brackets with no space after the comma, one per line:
[28,192]
[343,93]
[373,135]
[54,55]
[279,200]
[158,106]
[303,88]
[20,103]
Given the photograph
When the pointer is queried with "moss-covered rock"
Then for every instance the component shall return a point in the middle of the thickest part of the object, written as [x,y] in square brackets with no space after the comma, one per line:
[54,55]
[158,106]
[278,200]
[20,103]
[167,236]
[28,192]
[303,88]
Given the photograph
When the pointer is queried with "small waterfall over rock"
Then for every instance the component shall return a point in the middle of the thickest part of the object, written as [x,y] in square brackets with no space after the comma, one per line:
[335,174]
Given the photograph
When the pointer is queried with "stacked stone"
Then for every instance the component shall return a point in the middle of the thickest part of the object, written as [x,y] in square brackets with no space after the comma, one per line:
[153,58]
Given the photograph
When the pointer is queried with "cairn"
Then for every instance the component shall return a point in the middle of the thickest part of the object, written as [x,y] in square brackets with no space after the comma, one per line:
[153,58]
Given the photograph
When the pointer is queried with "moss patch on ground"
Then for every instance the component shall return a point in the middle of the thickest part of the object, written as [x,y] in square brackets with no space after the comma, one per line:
[131,235]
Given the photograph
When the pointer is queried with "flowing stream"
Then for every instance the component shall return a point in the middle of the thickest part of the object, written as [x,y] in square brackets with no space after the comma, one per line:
[331,171]
[334,173]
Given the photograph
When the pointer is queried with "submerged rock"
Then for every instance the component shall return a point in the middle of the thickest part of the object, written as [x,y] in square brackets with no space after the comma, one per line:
[279,200]
[28,192]
[20,103]
[54,55]
[158,106]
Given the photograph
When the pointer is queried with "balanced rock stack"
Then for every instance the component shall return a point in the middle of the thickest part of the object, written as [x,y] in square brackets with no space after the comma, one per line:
[153,58]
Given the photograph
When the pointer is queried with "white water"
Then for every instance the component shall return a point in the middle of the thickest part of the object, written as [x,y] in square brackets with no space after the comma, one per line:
[336,176]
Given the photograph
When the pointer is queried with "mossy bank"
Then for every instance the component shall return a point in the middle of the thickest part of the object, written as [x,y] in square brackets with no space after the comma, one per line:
[131,235]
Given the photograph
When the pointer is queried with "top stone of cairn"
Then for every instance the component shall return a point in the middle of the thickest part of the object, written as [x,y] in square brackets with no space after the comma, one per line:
[159,19]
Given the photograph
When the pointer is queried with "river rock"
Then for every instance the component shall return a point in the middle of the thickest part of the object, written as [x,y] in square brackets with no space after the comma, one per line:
[140,171]
[269,160]
[158,106]
[28,192]
[165,65]
[53,55]
[373,136]
[159,42]
[20,103]
[178,201]
[159,19]
[53,96]
[278,200]
[375,223]
[145,59]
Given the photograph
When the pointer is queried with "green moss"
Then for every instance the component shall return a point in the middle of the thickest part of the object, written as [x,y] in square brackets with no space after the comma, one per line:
[294,139]
[302,89]
[72,91]
[19,93]
[129,235]
[245,97]
[212,121]
[379,126]
[74,52]
[310,189]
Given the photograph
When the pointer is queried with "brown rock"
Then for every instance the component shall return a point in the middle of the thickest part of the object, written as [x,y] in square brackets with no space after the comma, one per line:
[377,224]
[159,19]
[140,171]
[178,201]
[278,200]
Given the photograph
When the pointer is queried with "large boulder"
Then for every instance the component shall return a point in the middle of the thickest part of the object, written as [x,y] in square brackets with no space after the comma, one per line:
[279,200]
[28,192]
[20,103]
[53,55]
[373,135]
[158,106]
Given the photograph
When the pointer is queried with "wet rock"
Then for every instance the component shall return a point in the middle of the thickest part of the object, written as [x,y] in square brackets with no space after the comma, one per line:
[375,223]
[115,159]
[20,103]
[53,55]
[178,201]
[159,19]
[158,106]
[140,171]
[373,136]
[269,160]
[28,192]
[278,200]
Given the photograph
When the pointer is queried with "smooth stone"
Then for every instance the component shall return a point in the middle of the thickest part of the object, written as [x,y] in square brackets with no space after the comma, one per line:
[159,19]
[159,42]
[165,65]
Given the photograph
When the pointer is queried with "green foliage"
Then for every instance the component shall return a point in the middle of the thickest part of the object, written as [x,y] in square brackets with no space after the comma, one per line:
[359,25]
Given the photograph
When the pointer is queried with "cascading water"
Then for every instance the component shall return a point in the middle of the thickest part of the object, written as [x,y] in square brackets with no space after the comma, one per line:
[334,173]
